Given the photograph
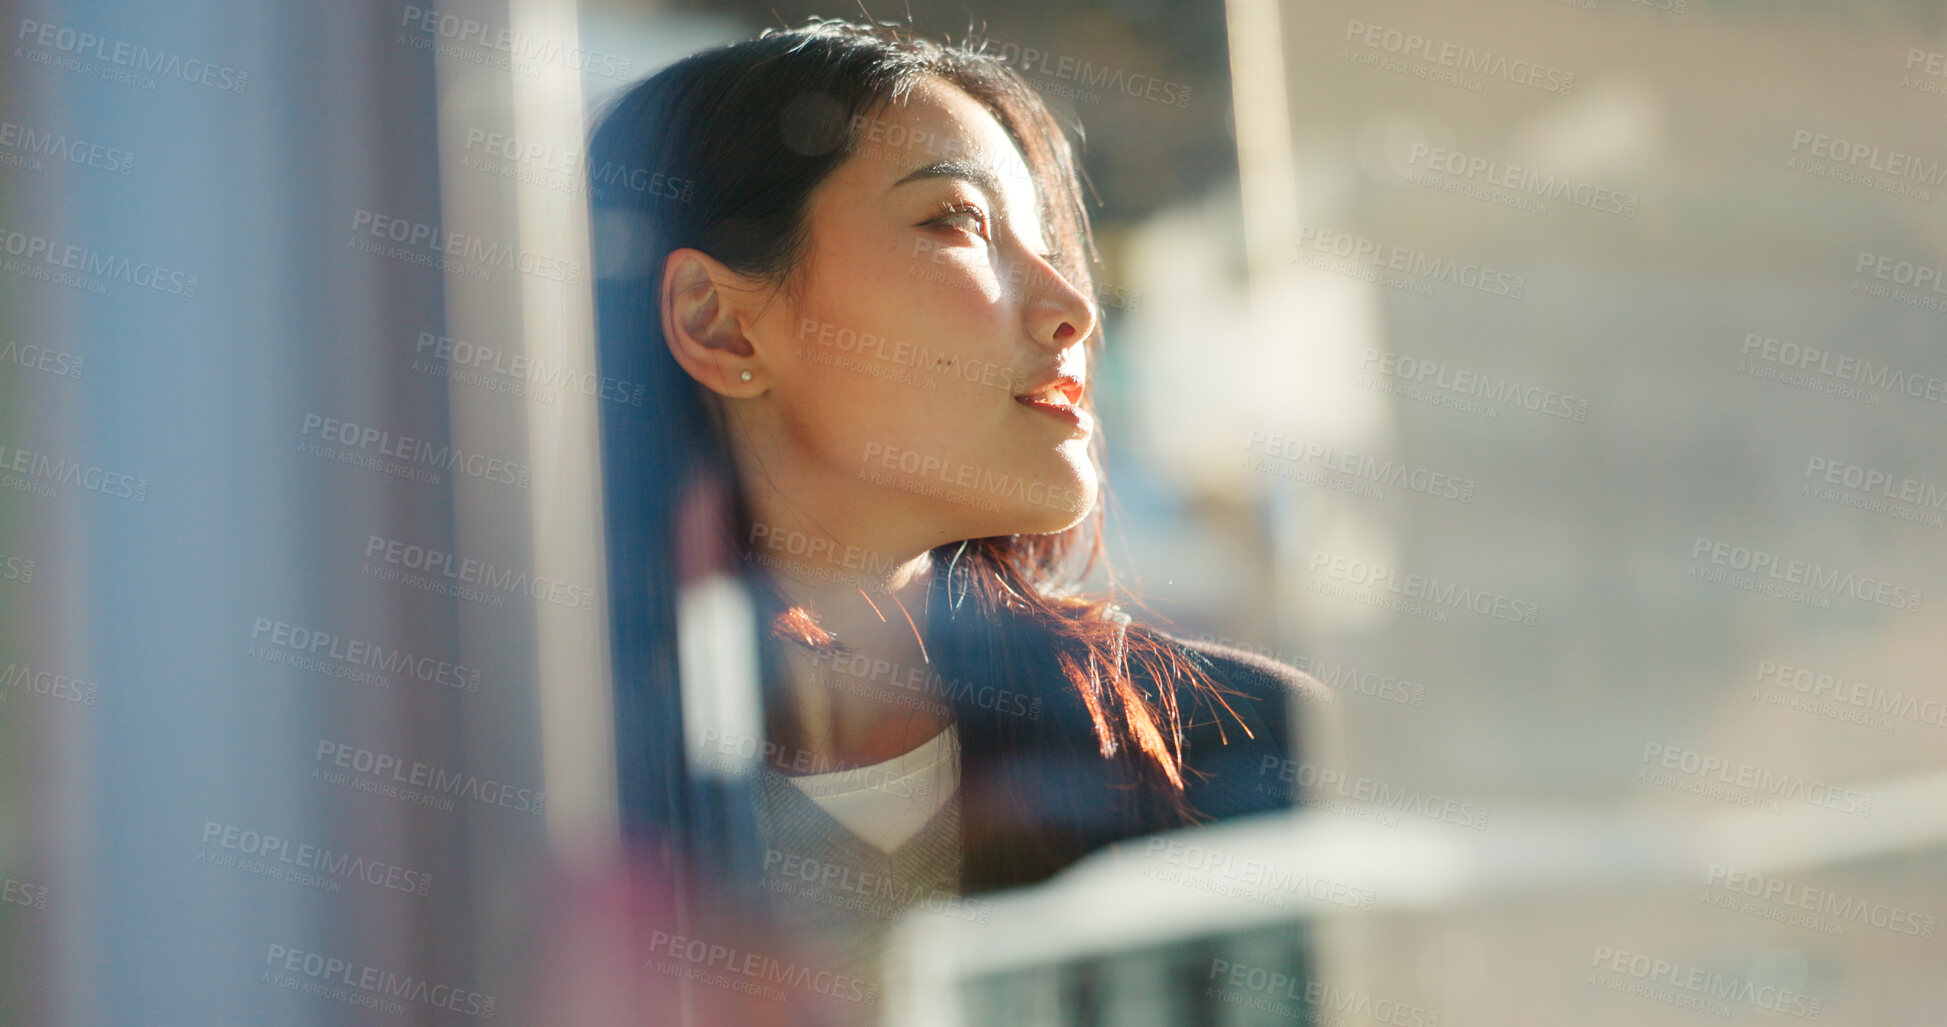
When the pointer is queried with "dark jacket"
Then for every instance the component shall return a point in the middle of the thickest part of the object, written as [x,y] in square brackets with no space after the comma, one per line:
[1036,800]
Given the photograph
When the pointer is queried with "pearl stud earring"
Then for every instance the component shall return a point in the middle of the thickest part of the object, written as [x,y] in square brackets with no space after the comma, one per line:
[744,377]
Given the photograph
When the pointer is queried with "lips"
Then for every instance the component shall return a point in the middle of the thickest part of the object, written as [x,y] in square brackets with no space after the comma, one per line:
[1061,391]
[1060,397]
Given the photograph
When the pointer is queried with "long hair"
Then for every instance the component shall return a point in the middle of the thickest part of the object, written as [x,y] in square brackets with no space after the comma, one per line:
[721,152]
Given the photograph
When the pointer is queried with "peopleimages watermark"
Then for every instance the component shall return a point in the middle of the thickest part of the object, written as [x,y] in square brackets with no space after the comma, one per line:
[1525,187]
[1926,70]
[470,255]
[23,678]
[362,984]
[504,47]
[31,255]
[440,784]
[1417,594]
[1339,677]
[1875,491]
[818,557]
[1705,774]
[1837,698]
[1324,785]
[331,653]
[1816,909]
[498,370]
[881,895]
[1675,983]
[436,570]
[1360,473]
[25,470]
[23,893]
[1844,160]
[925,473]
[316,866]
[1311,1000]
[527,161]
[119,61]
[896,142]
[1914,284]
[1083,73]
[742,970]
[1821,370]
[1415,266]
[15,567]
[1215,872]
[417,452]
[59,363]
[532,162]
[1447,62]
[1756,570]
[920,687]
[1474,385]
[24,146]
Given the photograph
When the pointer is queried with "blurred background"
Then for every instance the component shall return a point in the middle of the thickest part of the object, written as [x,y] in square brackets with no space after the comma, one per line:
[1561,383]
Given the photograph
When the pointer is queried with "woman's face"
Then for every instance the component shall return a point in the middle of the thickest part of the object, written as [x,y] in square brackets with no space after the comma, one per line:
[922,386]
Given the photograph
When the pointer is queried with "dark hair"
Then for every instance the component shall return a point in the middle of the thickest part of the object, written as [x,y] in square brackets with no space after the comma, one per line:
[721,152]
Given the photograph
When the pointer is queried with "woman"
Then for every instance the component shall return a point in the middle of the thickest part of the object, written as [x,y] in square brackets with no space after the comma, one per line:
[853,270]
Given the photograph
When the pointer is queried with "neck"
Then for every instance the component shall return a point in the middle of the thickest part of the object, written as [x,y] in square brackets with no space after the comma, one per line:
[866,702]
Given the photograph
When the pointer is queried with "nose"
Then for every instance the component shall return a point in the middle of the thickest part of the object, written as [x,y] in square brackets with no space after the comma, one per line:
[1058,314]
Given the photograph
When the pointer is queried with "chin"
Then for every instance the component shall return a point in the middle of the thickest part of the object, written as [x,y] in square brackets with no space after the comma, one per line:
[1044,494]
[1058,507]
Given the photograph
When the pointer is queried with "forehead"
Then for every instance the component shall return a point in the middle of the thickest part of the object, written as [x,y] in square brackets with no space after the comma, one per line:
[938,122]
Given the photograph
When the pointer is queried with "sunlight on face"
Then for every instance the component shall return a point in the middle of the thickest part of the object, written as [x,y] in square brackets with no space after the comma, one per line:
[909,379]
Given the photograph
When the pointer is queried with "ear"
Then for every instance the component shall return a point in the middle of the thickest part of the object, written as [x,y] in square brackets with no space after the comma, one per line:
[704,311]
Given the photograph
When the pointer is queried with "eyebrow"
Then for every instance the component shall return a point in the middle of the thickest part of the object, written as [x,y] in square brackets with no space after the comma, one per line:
[965,170]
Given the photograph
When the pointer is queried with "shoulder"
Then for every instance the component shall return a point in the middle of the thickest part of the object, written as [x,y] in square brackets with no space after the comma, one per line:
[1038,793]
[1241,731]
[1248,687]
[1261,677]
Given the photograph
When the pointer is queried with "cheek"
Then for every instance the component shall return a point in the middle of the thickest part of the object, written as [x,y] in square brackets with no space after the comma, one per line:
[848,405]
[894,354]
[958,282]
[876,348]
[841,409]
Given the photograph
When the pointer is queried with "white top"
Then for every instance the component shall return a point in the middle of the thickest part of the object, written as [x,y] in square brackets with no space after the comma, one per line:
[887,803]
